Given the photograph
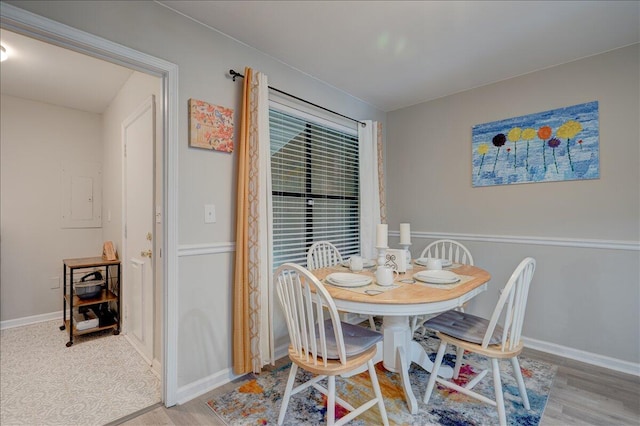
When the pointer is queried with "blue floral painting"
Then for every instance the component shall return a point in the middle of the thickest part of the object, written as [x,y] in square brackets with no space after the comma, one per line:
[556,145]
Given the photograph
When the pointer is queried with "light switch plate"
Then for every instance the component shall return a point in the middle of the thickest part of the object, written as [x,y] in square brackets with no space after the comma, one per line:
[209,213]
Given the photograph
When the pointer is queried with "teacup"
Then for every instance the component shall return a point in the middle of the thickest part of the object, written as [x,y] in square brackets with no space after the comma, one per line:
[435,264]
[385,275]
[356,263]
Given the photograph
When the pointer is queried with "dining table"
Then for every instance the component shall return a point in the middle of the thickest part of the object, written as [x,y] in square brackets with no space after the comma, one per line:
[397,304]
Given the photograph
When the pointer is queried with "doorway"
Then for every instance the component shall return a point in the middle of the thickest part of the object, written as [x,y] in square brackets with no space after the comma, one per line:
[48,31]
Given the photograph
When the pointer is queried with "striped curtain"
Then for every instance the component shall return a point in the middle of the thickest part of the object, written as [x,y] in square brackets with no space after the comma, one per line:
[252,303]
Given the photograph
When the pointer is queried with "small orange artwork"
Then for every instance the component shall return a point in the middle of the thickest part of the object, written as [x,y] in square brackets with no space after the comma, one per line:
[210,126]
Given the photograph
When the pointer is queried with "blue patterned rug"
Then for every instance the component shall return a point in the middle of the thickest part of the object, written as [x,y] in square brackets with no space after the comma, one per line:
[257,400]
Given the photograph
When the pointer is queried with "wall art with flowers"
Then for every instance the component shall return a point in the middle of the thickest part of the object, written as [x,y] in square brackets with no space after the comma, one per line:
[210,126]
[556,145]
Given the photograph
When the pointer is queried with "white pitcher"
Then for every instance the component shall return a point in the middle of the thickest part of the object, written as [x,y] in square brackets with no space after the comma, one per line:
[385,275]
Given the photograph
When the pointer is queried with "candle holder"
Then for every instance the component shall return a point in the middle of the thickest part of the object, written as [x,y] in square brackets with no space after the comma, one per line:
[382,251]
[407,255]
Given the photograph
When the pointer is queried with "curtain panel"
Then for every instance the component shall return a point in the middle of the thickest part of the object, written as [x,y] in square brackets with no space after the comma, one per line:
[252,302]
[372,197]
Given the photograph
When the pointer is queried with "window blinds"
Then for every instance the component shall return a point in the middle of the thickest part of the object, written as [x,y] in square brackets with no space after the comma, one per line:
[315,184]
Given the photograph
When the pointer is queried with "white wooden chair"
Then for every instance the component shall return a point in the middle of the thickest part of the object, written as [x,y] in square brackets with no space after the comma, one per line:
[323,254]
[443,249]
[323,346]
[448,249]
[487,338]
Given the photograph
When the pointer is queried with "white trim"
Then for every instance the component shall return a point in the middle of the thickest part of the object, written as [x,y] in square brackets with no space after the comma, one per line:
[281,351]
[41,28]
[542,241]
[156,367]
[315,115]
[583,356]
[200,387]
[135,348]
[170,240]
[202,249]
[34,319]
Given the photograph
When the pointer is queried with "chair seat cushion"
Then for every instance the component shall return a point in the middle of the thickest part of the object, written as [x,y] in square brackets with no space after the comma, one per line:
[463,326]
[356,339]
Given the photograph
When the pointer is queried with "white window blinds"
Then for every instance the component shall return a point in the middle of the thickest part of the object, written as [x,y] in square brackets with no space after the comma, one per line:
[315,184]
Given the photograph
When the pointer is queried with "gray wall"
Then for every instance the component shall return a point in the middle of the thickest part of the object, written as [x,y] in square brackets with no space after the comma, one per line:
[582,297]
[36,140]
[203,56]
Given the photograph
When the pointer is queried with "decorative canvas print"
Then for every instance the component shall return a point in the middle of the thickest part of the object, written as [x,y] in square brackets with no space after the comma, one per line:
[210,126]
[556,145]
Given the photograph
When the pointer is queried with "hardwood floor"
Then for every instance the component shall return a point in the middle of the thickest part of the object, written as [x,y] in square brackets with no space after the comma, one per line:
[582,394]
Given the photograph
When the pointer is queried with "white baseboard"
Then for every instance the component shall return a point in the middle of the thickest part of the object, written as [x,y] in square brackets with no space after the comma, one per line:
[281,351]
[137,349]
[202,386]
[34,319]
[583,356]
[156,368]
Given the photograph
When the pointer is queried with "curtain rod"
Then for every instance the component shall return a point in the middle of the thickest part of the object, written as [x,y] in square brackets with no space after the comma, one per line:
[235,74]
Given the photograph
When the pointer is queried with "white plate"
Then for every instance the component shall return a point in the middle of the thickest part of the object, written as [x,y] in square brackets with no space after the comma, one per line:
[348,280]
[422,261]
[437,277]
[366,263]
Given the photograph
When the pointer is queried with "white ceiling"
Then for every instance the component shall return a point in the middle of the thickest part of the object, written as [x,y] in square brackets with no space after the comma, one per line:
[54,75]
[390,54]
[394,54]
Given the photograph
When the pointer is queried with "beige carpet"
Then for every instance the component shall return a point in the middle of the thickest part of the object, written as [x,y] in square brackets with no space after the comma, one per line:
[99,379]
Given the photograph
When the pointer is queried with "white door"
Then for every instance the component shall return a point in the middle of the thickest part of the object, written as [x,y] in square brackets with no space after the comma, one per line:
[138,141]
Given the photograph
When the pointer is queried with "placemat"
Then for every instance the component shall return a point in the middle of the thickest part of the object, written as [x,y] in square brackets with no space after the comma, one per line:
[372,289]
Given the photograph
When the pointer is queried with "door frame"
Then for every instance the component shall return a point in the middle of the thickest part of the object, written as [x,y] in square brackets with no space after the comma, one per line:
[29,24]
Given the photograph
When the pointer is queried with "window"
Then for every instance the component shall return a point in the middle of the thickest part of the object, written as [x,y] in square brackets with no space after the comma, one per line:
[315,184]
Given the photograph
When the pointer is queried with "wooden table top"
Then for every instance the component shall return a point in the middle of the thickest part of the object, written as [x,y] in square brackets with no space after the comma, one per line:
[407,294]
[89,262]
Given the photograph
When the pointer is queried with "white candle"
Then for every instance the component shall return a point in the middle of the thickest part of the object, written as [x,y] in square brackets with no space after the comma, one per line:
[405,233]
[381,235]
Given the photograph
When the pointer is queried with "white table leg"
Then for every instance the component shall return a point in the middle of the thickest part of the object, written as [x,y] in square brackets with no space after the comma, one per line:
[400,350]
[403,369]
[420,357]
[397,332]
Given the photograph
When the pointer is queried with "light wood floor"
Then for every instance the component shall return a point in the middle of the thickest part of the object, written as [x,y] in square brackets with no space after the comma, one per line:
[581,394]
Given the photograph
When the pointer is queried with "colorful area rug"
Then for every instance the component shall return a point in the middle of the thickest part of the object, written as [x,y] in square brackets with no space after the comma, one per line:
[257,401]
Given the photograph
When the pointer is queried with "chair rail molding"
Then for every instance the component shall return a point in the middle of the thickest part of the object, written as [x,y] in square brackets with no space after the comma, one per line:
[205,249]
[543,241]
